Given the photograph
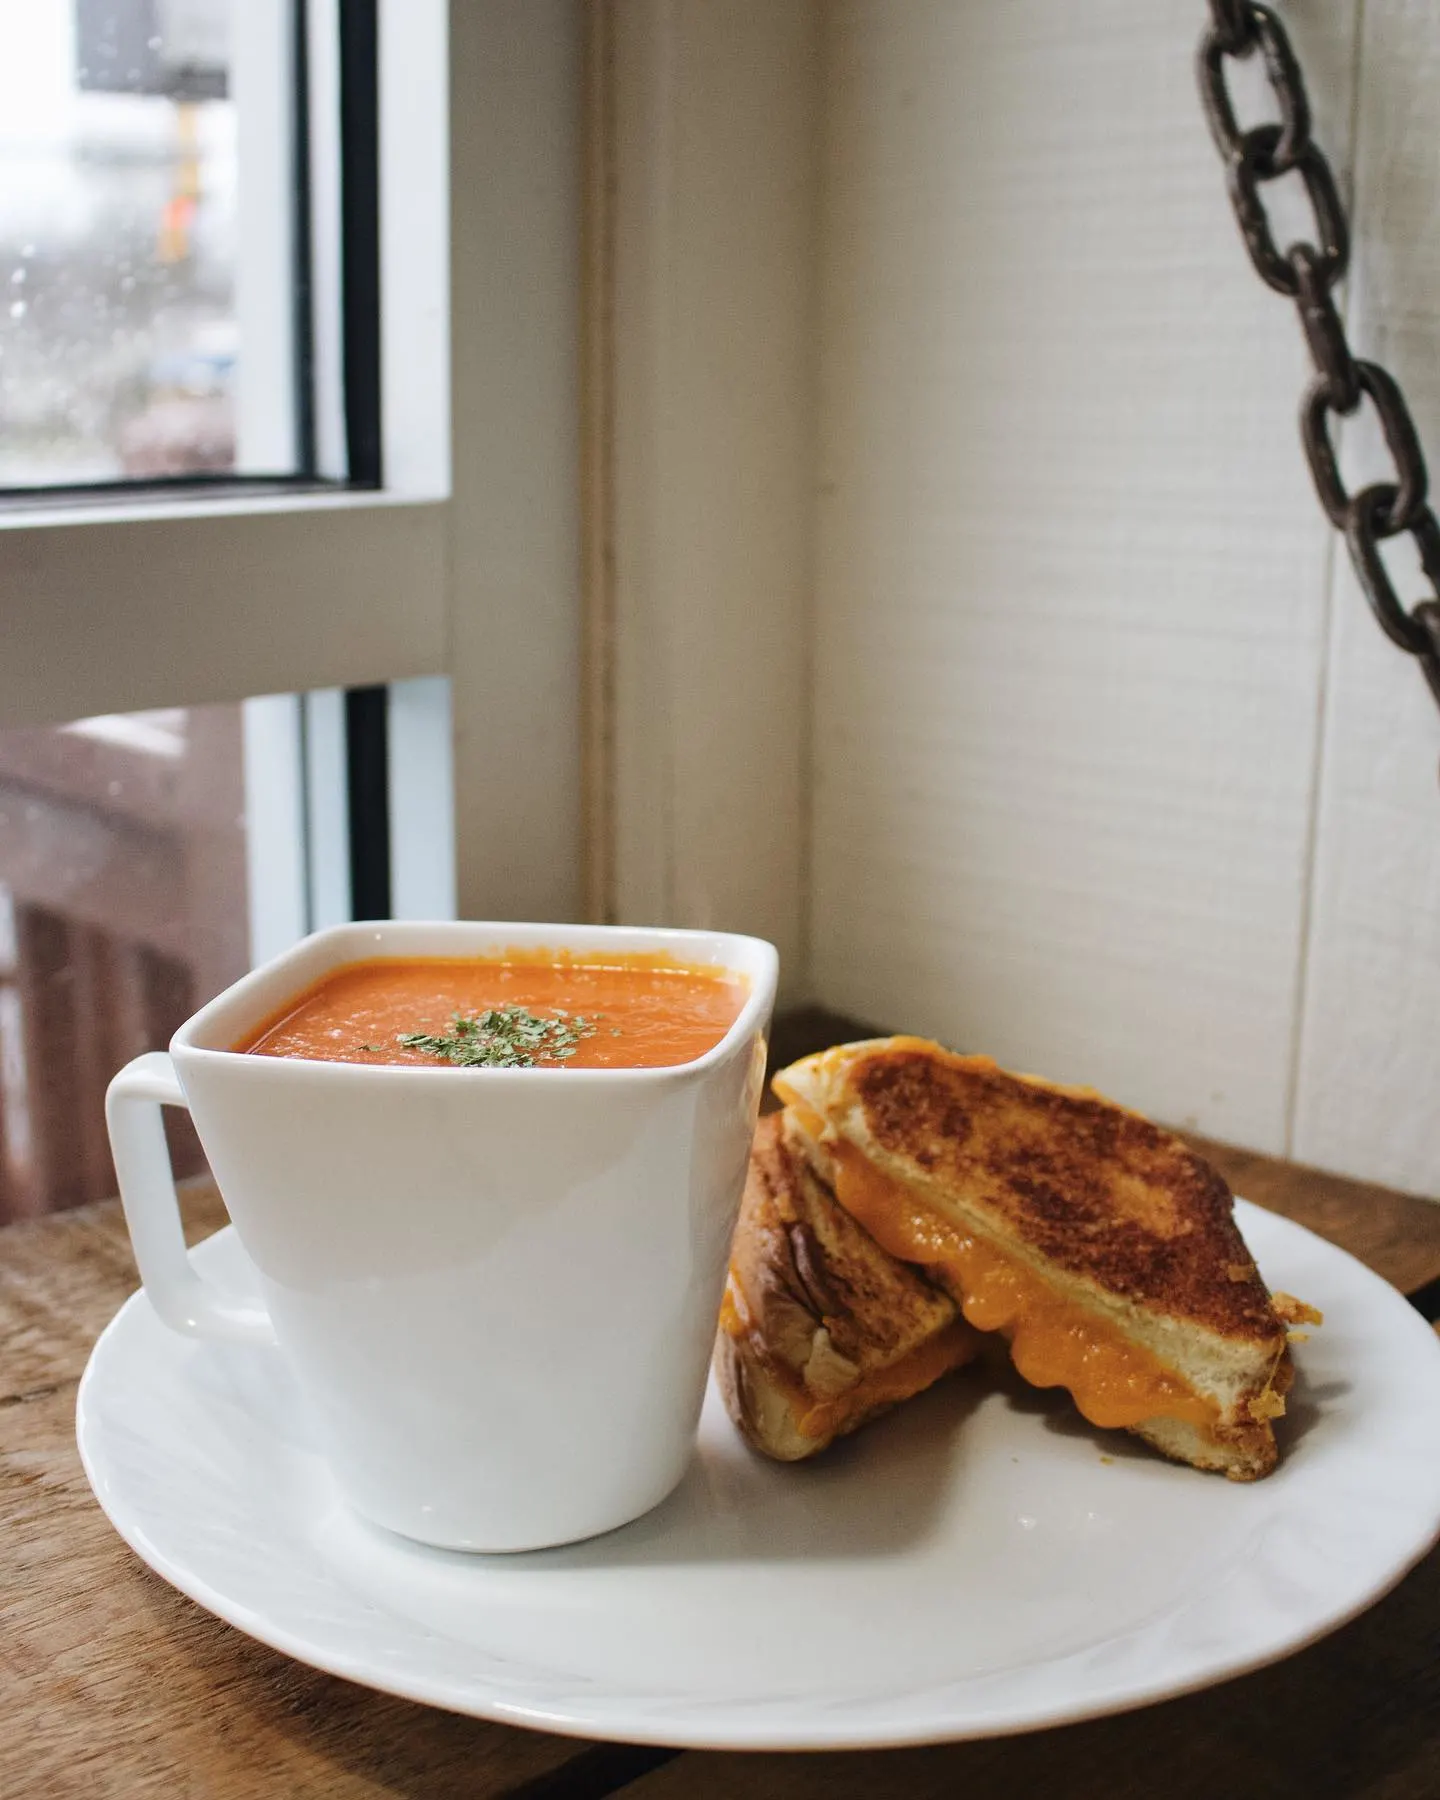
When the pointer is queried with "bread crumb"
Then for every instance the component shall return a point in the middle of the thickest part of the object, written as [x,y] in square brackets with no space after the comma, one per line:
[1295,1312]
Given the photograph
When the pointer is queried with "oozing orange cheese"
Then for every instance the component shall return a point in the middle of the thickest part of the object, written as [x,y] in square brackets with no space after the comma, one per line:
[734,1314]
[1053,1342]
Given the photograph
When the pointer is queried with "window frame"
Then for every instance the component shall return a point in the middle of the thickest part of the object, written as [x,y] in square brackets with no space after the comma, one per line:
[465,561]
[121,599]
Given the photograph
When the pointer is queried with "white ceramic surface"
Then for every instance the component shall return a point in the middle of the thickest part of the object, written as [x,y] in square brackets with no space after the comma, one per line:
[496,1288]
[979,1562]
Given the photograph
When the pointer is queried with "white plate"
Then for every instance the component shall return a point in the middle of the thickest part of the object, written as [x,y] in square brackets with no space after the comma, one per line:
[980,1562]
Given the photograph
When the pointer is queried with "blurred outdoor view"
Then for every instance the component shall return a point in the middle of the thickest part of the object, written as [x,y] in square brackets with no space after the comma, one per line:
[122,907]
[122,839]
[118,334]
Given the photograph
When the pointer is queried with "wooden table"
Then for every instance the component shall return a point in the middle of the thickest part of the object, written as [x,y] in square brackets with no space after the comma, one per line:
[113,1685]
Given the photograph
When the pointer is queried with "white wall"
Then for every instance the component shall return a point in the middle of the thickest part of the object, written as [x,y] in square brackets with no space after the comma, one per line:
[1113,775]
[701,456]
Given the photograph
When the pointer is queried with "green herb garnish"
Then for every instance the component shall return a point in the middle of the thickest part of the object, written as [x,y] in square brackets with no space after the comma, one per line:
[503,1037]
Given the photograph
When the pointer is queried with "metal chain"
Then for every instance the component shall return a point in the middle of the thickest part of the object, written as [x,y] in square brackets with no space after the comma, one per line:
[1307,273]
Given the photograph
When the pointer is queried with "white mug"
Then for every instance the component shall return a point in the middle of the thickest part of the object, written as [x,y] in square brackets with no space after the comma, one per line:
[496,1289]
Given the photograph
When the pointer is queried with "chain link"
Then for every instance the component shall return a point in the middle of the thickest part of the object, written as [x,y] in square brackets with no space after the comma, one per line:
[1232,25]
[1307,272]
[1286,83]
[1427,617]
[1255,165]
[1324,330]
[1412,478]
[1366,528]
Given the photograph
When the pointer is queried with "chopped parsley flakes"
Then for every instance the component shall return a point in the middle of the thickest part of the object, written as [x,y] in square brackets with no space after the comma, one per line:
[503,1037]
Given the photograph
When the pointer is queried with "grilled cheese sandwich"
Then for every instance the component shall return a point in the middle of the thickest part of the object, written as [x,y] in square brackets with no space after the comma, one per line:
[1099,1246]
[820,1329]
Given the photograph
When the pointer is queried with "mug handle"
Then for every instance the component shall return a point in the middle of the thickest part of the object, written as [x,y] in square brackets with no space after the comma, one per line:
[184,1300]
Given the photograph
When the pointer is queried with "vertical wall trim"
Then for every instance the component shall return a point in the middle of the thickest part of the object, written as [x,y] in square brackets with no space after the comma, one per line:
[810,611]
[597,450]
[702,180]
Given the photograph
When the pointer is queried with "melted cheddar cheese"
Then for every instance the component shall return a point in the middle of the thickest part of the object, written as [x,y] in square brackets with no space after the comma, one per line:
[1053,1342]
[734,1314]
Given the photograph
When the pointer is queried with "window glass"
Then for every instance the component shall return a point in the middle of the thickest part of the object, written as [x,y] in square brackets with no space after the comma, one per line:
[123,883]
[146,273]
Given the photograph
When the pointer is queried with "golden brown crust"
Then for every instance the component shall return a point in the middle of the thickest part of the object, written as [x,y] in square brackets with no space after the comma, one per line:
[794,1241]
[821,1330]
[1239,1452]
[1100,1191]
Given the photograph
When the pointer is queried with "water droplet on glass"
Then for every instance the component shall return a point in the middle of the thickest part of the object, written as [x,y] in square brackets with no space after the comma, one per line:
[152,43]
[27,251]
[17,276]
[18,309]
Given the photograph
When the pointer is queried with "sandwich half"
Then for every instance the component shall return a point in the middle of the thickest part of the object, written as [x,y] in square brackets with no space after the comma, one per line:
[1099,1245]
[820,1329]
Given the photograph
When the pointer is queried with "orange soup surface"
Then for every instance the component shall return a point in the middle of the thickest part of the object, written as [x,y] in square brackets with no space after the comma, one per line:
[549,1011]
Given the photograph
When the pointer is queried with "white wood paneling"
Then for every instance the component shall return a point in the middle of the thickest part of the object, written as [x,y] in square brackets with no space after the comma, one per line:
[705,457]
[1072,581]
[1370,1061]
[1112,774]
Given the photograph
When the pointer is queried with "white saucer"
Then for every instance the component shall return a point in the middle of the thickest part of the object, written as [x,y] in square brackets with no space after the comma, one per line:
[980,1562]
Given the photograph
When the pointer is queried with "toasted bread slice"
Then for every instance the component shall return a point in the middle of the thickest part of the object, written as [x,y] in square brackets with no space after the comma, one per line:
[1102,1247]
[821,1330]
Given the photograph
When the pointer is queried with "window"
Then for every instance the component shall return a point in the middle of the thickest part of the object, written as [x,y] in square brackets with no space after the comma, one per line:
[188,241]
[351,595]
[122,906]
[119,237]
[147,859]
[224,476]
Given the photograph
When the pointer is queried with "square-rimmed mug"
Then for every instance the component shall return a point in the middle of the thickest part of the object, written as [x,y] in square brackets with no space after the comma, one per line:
[496,1289]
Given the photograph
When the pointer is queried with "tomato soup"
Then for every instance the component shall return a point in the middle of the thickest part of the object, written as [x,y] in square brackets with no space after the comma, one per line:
[543,1010]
